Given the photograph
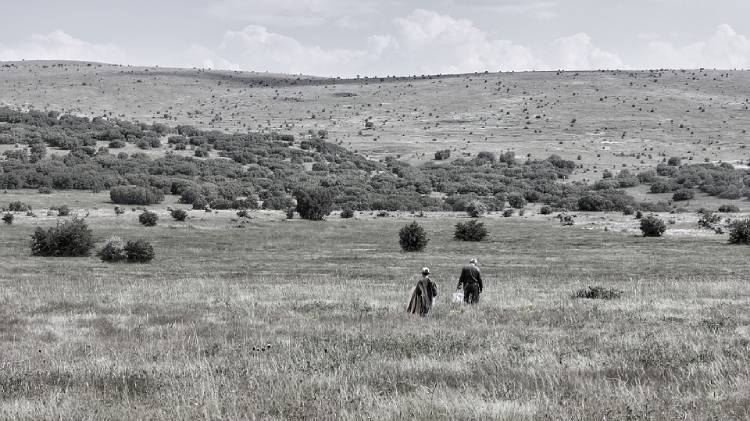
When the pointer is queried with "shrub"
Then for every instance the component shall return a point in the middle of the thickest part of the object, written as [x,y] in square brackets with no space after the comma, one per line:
[8,218]
[674,161]
[566,220]
[18,206]
[475,209]
[708,220]
[243,213]
[739,232]
[728,209]
[598,293]
[113,250]
[139,251]
[45,190]
[683,194]
[545,210]
[651,226]
[470,231]
[290,213]
[347,213]
[507,213]
[119,210]
[178,214]
[135,195]
[314,204]
[516,201]
[63,210]
[660,187]
[442,155]
[628,210]
[413,237]
[70,238]
[148,218]
[638,215]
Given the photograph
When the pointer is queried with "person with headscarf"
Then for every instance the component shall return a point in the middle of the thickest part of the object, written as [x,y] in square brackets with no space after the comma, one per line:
[423,295]
[471,279]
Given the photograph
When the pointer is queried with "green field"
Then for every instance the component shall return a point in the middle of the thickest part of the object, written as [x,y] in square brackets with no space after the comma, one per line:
[288,319]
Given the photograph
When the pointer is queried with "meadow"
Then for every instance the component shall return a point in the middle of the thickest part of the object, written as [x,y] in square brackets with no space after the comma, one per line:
[269,318]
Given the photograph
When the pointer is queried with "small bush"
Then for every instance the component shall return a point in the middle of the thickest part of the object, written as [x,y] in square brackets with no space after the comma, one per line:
[148,218]
[413,237]
[475,209]
[314,204]
[8,218]
[507,213]
[660,187]
[470,231]
[651,226]
[674,161]
[442,155]
[598,293]
[135,195]
[113,250]
[728,209]
[63,210]
[545,210]
[69,239]
[638,215]
[45,190]
[683,194]
[709,220]
[628,210]
[347,213]
[18,206]
[516,201]
[119,210]
[139,251]
[290,214]
[243,213]
[178,214]
[739,232]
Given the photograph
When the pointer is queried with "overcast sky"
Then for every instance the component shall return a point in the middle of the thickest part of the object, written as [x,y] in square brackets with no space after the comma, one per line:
[382,37]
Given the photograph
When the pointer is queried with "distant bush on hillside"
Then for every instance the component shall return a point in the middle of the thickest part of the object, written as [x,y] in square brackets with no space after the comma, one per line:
[412,237]
[69,239]
[347,213]
[516,201]
[470,231]
[314,203]
[113,250]
[442,155]
[178,214]
[683,194]
[139,251]
[545,210]
[135,195]
[18,206]
[476,209]
[8,218]
[726,208]
[651,226]
[148,218]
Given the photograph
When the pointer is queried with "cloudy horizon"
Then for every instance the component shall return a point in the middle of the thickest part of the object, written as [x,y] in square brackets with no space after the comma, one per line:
[368,37]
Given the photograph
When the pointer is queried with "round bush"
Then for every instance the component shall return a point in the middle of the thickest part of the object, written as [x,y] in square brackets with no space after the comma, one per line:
[178,214]
[148,218]
[63,210]
[413,237]
[740,232]
[508,213]
[628,210]
[651,226]
[243,213]
[470,231]
[660,187]
[728,209]
[347,213]
[516,201]
[113,250]
[545,210]
[683,194]
[475,209]
[8,218]
[69,239]
[139,251]
[314,204]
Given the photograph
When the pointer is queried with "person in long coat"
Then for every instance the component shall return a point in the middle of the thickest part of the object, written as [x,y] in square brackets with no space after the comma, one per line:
[423,295]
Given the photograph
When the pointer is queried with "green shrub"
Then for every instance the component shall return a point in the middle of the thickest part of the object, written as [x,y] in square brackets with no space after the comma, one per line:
[8,218]
[683,194]
[442,155]
[69,239]
[135,195]
[18,206]
[628,210]
[638,215]
[651,226]
[660,187]
[243,213]
[314,203]
[739,232]
[63,210]
[139,251]
[119,210]
[347,213]
[475,209]
[113,250]
[148,218]
[290,213]
[178,214]
[470,231]
[516,200]
[507,213]
[413,237]
[45,190]
[728,208]
[545,210]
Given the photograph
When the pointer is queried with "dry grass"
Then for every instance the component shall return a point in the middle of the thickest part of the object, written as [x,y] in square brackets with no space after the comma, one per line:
[304,320]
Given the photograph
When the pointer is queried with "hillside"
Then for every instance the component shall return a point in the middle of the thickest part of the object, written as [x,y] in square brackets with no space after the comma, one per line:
[611,119]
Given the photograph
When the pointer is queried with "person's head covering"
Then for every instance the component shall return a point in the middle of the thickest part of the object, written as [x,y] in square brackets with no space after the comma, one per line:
[425,271]
[473,261]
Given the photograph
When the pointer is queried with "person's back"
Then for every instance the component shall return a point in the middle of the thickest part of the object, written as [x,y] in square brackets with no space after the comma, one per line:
[471,279]
[423,295]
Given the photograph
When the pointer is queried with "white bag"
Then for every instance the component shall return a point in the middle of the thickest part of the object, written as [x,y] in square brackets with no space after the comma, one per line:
[457,297]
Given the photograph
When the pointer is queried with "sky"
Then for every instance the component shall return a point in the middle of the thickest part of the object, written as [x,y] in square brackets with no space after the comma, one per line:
[382,37]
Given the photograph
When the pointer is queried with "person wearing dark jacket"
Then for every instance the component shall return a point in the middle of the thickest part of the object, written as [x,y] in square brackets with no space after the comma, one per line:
[423,295]
[471,279]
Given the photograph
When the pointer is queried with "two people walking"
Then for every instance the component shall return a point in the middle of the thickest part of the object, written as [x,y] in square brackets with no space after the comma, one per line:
[425,292]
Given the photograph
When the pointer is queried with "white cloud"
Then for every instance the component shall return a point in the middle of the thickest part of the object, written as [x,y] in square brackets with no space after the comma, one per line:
[58,45]
[577,52]
[293,13]
[724,49]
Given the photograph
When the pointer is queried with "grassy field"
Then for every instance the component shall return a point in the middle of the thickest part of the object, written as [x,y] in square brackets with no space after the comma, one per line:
[287,319]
